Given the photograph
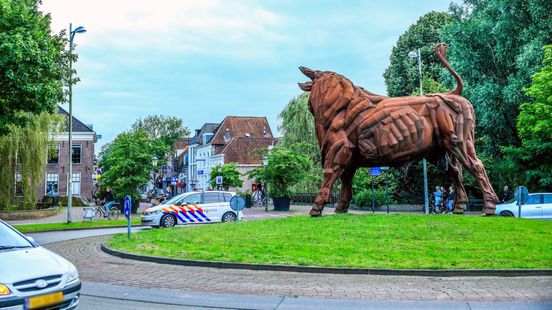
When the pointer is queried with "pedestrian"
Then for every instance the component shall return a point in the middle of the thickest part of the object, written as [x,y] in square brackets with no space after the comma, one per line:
[168,193]
[150,195]
[450,199]
[506,194]
[437,196]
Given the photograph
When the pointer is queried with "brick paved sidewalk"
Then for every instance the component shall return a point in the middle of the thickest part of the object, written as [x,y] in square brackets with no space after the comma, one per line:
[97,266]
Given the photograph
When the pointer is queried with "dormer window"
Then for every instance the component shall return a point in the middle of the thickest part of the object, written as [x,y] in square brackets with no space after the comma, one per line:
[247,135]
[227,135]
[265,134]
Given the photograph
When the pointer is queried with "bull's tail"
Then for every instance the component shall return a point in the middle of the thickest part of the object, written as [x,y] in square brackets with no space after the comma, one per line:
[440,51]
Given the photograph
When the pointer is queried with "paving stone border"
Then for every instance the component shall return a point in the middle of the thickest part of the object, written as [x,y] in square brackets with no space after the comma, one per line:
[333,270]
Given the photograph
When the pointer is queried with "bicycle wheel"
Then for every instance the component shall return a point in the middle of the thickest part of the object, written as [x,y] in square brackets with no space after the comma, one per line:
[99,213]
[113,213]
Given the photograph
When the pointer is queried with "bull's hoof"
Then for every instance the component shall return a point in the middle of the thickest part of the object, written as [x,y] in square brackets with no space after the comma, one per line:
[341,209]
[488,212]
[314,212]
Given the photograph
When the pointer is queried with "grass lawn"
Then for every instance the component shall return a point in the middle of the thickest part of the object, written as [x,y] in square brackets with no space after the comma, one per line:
[25,228]
[363,241]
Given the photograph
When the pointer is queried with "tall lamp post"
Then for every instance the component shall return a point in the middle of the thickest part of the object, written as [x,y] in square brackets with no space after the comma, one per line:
[72,33]
[417,54]
[154,164]
[265,163]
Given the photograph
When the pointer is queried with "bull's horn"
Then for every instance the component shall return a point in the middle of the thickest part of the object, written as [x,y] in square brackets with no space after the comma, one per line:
[311,74]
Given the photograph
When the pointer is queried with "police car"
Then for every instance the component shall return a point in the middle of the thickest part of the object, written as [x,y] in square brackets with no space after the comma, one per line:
[192,208]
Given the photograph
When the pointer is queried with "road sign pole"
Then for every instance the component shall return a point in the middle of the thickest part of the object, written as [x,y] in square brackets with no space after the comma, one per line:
[373,194]
[386,193]
[127,209]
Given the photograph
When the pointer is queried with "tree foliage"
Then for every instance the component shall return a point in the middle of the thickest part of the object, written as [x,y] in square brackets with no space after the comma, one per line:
[127,162]
[167,129]
[495,46]
[401,77]
[534,126]
[285,168]
[33,64]
[24,151]
[230,176]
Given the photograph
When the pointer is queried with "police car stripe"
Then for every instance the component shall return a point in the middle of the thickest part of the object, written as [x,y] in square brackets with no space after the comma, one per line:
[192,212]
[203,215]
[184,213]
[176,214]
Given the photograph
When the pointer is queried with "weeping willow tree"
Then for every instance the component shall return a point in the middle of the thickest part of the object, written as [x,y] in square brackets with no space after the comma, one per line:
[299,136]
[23,151]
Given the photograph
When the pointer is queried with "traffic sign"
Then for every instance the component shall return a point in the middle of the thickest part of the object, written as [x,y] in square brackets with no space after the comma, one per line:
[128,203]
[219,180]
[173,181]
[375,171]
[200,172]
[237,203]
[521,194]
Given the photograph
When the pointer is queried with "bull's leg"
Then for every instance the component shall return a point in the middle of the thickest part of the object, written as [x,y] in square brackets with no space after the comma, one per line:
[475,166]
[346,191]
[455,169]
[330,176]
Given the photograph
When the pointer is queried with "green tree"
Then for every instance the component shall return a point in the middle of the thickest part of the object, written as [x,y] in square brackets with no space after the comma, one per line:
[495,46]
[127,162]
[299,136]
[24,151]
[33,63]
[230,176]
[401,77]
[534,126]
[285,168]
[167,129]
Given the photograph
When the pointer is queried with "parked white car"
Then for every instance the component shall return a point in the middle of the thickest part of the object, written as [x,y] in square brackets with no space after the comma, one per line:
[32,277]
[192,208]
[538,206]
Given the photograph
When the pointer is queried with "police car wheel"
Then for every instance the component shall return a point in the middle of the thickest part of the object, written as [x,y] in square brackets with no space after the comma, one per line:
[228,217]
[168,220]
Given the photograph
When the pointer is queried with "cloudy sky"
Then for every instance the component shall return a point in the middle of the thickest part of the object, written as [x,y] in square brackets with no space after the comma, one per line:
[201,60]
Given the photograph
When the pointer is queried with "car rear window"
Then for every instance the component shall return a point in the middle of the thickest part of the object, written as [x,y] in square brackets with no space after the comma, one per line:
[534,199]
[211,198]
[227,197]
[547,198]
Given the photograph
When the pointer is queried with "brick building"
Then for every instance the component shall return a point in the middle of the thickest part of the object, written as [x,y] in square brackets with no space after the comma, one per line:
[55,177]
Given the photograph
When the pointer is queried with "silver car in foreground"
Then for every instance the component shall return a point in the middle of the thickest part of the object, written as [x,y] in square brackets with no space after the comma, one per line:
[32,277]
[538,206]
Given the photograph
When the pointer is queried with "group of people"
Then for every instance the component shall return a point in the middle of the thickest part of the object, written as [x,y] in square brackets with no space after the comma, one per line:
[443,200]
[154,194]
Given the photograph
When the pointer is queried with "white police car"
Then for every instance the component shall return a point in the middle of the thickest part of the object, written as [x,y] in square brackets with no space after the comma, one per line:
[192,208]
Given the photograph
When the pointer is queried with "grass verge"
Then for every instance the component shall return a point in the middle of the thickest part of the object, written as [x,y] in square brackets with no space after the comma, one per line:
[362,241]
[26,228]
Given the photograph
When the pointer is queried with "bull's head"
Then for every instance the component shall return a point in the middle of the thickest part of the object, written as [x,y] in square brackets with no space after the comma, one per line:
[311,74]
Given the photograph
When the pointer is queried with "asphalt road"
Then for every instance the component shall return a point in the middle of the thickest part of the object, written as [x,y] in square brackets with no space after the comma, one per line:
[107,296]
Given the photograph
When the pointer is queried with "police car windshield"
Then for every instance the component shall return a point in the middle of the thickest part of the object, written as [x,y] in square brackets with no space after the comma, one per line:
[173,200]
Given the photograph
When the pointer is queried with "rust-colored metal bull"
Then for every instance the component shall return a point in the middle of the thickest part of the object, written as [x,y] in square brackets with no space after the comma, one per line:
[356,128]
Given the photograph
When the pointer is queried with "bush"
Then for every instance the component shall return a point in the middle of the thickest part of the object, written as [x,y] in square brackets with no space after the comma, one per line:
[363,198]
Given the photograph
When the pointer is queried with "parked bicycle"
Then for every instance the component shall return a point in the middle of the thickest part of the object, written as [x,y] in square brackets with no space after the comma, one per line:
[98,212]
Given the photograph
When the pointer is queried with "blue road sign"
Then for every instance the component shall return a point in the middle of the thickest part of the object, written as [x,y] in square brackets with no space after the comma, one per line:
[200,172]
[128,203]
[173,180]
[237,203]
[219,180]
[375,171]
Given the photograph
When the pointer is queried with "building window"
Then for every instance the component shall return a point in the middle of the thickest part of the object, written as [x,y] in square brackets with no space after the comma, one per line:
[19,184]
[76,153]
[53,153]
[76,184]
[52,184]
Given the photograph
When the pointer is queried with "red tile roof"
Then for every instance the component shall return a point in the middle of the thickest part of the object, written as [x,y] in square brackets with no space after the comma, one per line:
[241,126]
[243,150]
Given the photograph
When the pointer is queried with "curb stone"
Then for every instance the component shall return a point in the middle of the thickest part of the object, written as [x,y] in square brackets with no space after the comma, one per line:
[334,270]
[76,228]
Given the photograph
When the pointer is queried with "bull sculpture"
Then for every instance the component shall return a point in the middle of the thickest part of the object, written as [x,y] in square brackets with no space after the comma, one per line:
[356,128]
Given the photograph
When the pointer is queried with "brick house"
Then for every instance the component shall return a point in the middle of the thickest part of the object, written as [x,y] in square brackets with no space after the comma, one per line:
[236,140]
[55,177]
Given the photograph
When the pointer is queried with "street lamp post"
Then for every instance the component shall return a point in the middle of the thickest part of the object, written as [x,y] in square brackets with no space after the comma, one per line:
[72,33]
[154,164]
[418,55]
[265,199]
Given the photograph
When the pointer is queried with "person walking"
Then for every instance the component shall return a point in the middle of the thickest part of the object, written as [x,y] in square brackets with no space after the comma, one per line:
[437,196]
[168,193]
[450,199]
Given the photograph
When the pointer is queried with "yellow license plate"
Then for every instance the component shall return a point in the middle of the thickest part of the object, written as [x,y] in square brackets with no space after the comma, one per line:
[43,300]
